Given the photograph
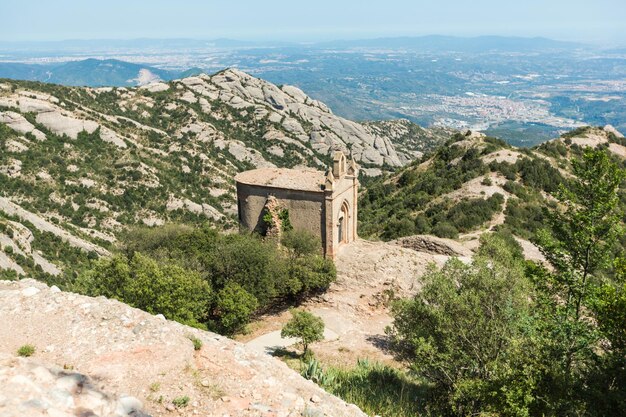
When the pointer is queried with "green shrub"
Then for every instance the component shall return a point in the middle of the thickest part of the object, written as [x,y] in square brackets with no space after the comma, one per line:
[445,230]
[237,275]
[233,308]
[464,332]
[468,214]
[26,350]
[422,224]
[301,243]
[398,227]
[158,288]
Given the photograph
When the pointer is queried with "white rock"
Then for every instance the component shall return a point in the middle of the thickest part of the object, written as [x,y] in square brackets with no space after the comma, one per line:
[30,291]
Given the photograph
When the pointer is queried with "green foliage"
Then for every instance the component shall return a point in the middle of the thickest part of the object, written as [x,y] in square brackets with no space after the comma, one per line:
[26,351]
[465,329]
[197,343]
[468,214]
[445,229]
[377,389]
[301,243]
[233,308]
[539,174]
[313,371]
[579,131]
[181,402]
[578,245]
[285,223]
[304,326]
[396,227]
[156,287]
[201,277]
[410,206]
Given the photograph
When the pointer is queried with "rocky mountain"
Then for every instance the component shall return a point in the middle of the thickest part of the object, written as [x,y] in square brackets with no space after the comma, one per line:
[476,183]
[79,165]
[94,356]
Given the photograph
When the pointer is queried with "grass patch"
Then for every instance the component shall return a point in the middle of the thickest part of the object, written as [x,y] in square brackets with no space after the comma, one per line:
[197,343]
[181,402]
[26,351]
[376,388]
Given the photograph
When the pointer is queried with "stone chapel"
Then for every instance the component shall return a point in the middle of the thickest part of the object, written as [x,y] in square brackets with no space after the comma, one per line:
[324,204]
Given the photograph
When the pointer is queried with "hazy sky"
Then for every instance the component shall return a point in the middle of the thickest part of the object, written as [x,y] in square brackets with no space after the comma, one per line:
[581,20]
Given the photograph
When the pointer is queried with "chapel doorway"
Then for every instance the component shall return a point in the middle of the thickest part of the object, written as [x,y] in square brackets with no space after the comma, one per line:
[342,225]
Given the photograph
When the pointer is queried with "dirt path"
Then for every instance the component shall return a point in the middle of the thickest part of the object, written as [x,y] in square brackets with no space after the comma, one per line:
[355,308]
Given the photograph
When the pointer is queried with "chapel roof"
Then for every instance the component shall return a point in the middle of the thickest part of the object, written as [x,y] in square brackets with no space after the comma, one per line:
[290,179]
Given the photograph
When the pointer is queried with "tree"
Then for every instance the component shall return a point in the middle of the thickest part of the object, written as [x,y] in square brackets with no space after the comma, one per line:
[579,243]
[464,332]
[304,326]
[583,232]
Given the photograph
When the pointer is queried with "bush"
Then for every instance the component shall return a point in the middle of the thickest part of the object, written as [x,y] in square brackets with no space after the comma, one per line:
[422,224]
[233,308]
[398,227]
[304,326]
[158,288]
[465,330]
[238,274]
[445,230]
[197,343]
[468,214]
[26,351]
[301,243]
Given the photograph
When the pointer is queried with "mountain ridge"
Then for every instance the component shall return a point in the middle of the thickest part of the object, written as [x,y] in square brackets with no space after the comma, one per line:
[80,165]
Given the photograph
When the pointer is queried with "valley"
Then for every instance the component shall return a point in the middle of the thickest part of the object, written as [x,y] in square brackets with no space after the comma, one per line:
[526,90]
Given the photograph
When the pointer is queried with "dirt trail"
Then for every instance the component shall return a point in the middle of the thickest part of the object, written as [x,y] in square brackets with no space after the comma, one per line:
[355,307]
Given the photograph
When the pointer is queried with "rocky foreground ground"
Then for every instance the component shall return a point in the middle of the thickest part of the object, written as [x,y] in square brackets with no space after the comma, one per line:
[95,356]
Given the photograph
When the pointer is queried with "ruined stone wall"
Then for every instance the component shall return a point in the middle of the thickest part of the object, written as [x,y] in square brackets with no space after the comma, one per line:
[306,209]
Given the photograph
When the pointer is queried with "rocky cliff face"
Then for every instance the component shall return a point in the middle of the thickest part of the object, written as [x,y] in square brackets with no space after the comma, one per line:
[94,355]
[79,165]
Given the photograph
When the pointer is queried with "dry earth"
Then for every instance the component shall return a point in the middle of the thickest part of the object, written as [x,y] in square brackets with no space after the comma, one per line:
[355,308]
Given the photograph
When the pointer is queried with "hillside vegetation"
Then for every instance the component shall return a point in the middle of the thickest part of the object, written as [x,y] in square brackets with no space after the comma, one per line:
[78,166]
[476,183]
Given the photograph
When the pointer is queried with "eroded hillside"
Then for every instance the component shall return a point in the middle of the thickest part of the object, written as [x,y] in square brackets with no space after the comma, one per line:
[476,183]
[79,165]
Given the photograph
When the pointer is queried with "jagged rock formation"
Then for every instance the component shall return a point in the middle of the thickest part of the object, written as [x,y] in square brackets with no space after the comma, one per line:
[127,352]
[433,245]
[79,165]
